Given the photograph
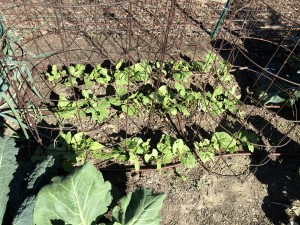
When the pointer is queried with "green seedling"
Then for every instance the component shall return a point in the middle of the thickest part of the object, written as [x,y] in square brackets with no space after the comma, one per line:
[70,149]
[55,74]
[223,142]
[181,71]
[98,108]
[133,149]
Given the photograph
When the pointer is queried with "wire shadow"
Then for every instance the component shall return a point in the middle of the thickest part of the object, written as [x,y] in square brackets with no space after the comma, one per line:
[281,175]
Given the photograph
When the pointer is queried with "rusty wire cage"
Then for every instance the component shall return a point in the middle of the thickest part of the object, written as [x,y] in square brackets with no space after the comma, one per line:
[253,36]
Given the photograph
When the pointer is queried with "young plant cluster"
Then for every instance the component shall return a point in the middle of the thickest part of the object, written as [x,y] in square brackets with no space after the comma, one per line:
[170,97]
[71,149]
[222,142]
[137,90]
[166,151]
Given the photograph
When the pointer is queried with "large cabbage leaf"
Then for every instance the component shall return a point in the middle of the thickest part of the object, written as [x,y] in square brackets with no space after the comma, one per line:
[77,199]
[139,208]
[8,165]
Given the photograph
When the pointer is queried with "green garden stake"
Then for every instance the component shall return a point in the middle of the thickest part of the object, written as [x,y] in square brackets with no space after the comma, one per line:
[220,21]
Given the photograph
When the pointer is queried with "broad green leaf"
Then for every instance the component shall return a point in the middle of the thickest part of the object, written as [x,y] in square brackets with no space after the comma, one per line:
[25,212]
[72,70]
[8,166]
[115,101]
[63,102]
[36,180]
[223,141]
[134,159]
[77,71]
[88,83]
[147,157]
[136,145]
[140,71]
[200,145]
[250,148]
[188,160]
[121,78]
[197,65]
[54,69]
[121,91]
[96,146]
[154,154]
[104,77]
[180,88]
[183,151]
[77,138]
[39,170]
[67,114]
[163,90]
[206,156]
[182,76]
[172,110]
[86,94]
[131,110]
[217,91]
[247,136]
[165,144]
[139,208]
[179,147]
[184,110]
[76,199]
[66,137]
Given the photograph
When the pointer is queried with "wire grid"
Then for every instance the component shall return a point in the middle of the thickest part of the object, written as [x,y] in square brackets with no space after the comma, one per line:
[259,35]
[90,32]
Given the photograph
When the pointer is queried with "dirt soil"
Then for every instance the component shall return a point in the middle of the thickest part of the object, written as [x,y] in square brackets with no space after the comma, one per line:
[231,190]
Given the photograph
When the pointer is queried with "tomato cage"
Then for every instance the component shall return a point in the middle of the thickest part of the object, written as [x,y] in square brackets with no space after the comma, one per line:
[189,72]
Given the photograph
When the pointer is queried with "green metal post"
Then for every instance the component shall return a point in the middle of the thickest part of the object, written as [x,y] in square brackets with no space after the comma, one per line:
[215,32]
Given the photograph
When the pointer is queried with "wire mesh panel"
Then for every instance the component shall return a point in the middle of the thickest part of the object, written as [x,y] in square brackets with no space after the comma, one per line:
[112,71]
[93,31]
[261,40]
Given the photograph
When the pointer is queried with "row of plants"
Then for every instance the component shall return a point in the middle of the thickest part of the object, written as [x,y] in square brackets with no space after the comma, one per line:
[75,149]
[136,89]
[82,197]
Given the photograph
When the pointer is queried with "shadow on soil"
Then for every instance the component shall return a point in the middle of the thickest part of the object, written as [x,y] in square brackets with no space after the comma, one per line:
[248,61]
[280,174]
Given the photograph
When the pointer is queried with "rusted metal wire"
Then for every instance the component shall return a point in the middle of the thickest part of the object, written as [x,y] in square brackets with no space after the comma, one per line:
[91,32]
